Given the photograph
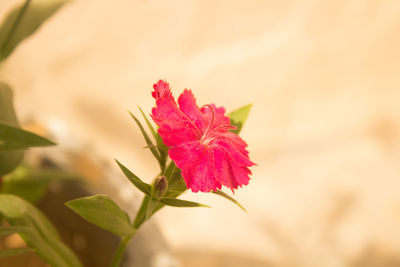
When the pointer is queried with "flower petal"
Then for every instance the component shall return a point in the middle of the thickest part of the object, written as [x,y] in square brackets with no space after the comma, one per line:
[228,172]
[160,89]
[197,164]
[174,126]
[233,147]
[187,103]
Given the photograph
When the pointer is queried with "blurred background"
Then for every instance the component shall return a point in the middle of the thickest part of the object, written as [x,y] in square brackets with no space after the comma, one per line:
[323,77]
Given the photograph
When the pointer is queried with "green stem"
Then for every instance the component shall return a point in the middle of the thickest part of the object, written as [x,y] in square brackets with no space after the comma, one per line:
[119,253]
[141,216]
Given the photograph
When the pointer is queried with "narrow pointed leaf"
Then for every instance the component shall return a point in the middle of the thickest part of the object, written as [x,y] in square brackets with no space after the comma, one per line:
[174,202]
[162,148]
[224,195]
[101,211]
[149,125]
[146,138]
[238,117]
[14,252]
[42,236]
[136,181]
[14,138]
[23,21]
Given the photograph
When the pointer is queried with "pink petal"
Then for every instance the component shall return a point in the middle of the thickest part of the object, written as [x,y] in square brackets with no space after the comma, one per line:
[197,164]
[235,151]
[187,103]
[237,141]
[174,126]
[160,89]
[227,172]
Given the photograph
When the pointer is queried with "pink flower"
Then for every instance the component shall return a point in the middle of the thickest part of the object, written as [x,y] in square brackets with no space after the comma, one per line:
[200,142]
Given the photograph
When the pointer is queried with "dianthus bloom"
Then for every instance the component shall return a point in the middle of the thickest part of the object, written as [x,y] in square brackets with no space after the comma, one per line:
[200,141]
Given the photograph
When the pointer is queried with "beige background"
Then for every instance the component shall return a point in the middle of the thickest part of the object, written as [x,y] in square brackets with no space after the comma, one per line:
[324,79]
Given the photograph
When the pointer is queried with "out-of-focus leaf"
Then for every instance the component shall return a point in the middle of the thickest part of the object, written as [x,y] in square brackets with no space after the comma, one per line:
[31,184]
[136,181]
[9,160]
[224,195]
[23,21]
[180,203]
[8,230]
[100,210]
[7,113]
[14,252]
[42,236]
[14,138]
[238,117]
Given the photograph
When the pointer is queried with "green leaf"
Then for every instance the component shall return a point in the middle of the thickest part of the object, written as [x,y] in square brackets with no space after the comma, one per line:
[174,202]
[14,138]
[31,184]
[162,148]
[23,21]
[8,230]
[42,236]
[222,194]
[151,128]
[9,160]
[238,117]
[100,210]
[139,184]
[150,206]
[147,138]
[14,252]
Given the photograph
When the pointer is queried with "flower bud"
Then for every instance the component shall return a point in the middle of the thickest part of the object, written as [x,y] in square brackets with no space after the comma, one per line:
[160,187]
